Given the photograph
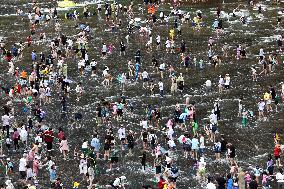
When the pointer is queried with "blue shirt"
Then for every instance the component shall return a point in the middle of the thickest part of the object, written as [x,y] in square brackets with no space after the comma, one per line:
[194,144]
[183,116]
[230,184]
[34,56]
[95,143]
[137,66]
[52,174]
[215,24]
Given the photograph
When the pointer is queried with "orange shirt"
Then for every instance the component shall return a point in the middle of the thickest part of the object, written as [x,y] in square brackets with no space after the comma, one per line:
[24,74]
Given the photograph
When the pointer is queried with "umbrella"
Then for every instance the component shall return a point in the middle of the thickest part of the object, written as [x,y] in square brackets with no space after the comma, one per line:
[66,3]
[182,139]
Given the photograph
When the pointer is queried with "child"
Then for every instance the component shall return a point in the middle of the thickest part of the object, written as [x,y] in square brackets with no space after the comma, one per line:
[9,167]
[8,143]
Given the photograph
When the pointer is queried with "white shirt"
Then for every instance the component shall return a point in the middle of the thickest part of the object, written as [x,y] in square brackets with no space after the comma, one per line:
[23,164]
[261,105]
[23,134]
[117,182]
[145,75]
[279,177]
[79,89]
[202,142]
[104,48]
[227,81]
[6,120]
[81,64]
[38,139]
[170,133]
[213,118]
[158,39]
[93,63]
[105,73]
[208,83]
[171,143]
[161,86]
[121,133]
[210,185]
[221,81]
[85,145]
[144,124]
[162,66]
[168,160]
[261,52]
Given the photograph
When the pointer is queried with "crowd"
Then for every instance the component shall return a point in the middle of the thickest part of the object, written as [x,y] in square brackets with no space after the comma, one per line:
[58,71]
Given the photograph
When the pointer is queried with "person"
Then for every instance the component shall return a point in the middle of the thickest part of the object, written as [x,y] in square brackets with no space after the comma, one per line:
[91,176]
[130,142]
[229,183]
[48,138]
[64,147]
[52,174]
[119,182]
[253,183]
[143,161]
[217,149]
[6,121]
[83,166]
[277,153]
[23,166]
[95,144]
[9,184]
[122,137]
[221,181]
[161,88]
[279,176]
[210,184]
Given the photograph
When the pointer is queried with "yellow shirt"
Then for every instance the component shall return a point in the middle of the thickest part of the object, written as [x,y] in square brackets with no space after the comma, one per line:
[266,96]
[76,185]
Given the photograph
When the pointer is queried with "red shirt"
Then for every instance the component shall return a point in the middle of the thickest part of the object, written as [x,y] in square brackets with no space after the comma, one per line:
[48,136]
[277,151]
[61,135]
[161,183]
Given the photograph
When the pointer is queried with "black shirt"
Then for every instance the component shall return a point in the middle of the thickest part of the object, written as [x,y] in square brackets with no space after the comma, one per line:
[221,182]
[253,184]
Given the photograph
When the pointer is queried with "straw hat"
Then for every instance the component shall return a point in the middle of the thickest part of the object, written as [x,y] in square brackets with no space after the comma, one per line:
[82,156]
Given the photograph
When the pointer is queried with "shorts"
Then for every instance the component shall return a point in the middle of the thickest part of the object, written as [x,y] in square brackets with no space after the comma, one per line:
[227,86]
[153,146]
[186,147]
[130,145]
[158,43]
[114,159]
[145,79]
[217,151]
[180,121]
[94,68]
[158,169]
[104,53]
[279,43]
[277,157]
[122,139]
[119,112]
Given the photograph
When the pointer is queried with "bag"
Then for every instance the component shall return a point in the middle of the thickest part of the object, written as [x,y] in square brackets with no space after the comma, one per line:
[214,128]
[153,139]
[78,116]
